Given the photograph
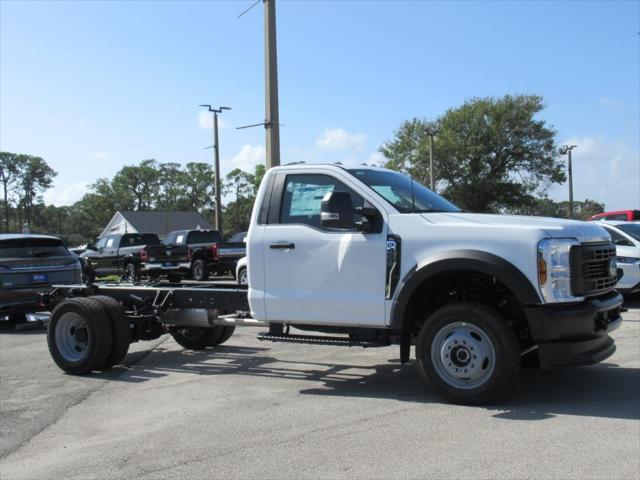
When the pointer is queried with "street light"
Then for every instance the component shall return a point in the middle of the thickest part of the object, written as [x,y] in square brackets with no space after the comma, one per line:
[431,133]
[216,159]
[566,150]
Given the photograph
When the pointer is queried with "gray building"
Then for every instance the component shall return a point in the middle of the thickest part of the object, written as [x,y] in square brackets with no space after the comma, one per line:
[154,222]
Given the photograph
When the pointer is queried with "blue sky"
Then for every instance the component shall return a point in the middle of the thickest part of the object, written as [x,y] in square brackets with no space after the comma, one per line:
[93,86]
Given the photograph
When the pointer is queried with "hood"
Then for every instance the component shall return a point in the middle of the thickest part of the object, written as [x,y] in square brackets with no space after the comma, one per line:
[584,232]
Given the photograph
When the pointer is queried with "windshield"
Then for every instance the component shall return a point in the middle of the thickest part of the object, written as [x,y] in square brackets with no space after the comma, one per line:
[32,248]
[631,229]
[396,189]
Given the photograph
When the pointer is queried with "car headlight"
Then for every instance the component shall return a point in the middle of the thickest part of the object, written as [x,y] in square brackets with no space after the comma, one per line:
[627,260]
[554,269]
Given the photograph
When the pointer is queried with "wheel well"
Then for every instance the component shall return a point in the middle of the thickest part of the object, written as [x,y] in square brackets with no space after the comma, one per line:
[464,286]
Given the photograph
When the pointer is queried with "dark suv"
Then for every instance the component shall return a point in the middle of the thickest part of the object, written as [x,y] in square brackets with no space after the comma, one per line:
[29,265]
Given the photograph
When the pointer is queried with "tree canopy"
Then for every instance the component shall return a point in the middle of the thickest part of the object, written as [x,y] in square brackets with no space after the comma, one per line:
[490,154]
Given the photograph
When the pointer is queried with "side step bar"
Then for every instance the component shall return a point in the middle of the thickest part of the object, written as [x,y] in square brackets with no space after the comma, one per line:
[320,340]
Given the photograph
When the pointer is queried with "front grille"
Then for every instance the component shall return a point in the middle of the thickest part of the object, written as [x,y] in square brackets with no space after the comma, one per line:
[590,273]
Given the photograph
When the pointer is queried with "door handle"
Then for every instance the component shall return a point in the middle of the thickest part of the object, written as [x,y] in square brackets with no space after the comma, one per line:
[283,246]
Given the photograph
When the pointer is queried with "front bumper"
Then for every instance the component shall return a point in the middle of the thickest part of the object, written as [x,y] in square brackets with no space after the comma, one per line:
[575,334]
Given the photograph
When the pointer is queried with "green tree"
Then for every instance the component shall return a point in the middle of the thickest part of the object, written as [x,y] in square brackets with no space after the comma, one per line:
[34,177]
[490,154]
[171,188]
[241,185]
[139,182]
[199,187]
[9,167]
[258,175]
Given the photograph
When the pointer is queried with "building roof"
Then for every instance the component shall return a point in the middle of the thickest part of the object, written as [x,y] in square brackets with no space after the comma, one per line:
[165,222]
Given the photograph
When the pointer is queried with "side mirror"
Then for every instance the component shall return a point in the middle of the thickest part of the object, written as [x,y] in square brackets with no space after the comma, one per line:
[369,216]
[336,211]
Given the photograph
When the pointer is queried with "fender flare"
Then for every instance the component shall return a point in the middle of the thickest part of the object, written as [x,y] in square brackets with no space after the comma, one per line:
[462,260]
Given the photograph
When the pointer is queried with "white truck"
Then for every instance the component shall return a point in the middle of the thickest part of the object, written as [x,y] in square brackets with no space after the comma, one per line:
[369,257]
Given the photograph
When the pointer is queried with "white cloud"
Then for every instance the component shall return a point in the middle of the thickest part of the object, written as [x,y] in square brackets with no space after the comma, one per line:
[100,155]
[246,159]
[376,159]
[65,195]
[205,120]
[604,171]
[609,102]
[339,139]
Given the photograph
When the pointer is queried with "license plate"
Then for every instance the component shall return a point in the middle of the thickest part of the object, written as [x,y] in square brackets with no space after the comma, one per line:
[39,278]
[168,264]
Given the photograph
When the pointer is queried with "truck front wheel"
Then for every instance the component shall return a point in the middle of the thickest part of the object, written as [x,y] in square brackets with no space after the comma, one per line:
[468,352]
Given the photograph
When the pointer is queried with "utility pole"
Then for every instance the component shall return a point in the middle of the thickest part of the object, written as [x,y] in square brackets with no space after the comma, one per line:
[431,133]
[566,150]
[216,161]
[272,120]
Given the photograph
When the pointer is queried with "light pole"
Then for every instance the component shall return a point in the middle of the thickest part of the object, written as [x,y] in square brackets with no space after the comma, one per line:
[272,122]
[431,133]
[216,160]
[566,150]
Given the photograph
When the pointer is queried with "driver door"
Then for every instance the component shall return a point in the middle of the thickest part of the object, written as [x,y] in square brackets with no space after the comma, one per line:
[317,275]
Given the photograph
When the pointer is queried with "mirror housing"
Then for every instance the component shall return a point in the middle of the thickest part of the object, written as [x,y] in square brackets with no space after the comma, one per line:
[336,211]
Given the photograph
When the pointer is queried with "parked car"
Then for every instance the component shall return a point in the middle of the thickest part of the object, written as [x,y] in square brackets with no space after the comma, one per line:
[131,255]
[241,272]
[29,265]
[626,236]
[207,253]
[618,215]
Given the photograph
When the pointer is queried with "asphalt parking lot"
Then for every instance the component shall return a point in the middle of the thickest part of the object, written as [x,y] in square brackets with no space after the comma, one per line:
[257,410]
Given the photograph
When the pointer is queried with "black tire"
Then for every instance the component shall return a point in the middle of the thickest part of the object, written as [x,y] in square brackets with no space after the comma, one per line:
[242,277]
[96,327]
[199,270]
[130,273]
[120,331]
[227,331]
[495,344]
[196,338]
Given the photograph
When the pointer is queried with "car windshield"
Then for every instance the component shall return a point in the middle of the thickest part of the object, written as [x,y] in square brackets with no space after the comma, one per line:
[32,248]
[407,195]
[631,229]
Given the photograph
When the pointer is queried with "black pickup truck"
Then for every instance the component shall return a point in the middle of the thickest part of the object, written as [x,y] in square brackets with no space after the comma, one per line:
[207,253]
[132,255]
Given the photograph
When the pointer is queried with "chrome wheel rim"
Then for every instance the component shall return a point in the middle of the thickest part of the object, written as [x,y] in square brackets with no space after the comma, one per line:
[72,337]
[197,271]
[130,273]
[243,280]
[463,355]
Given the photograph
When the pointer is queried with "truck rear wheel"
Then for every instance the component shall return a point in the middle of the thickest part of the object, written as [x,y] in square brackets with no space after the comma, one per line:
[196,338]
[79,335]
[468,352]
[120,331]
[199,270]
[130,273]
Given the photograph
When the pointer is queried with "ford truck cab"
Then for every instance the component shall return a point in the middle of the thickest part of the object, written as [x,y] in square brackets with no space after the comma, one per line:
[370,253]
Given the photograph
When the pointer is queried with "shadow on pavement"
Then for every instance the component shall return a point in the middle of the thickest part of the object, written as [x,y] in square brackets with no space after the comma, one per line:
[603,390]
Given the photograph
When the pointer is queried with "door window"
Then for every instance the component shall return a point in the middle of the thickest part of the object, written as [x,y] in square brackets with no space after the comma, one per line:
[302,198]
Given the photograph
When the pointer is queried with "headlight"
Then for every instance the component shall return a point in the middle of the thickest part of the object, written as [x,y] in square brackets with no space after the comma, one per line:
[554,270]
[627,260]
